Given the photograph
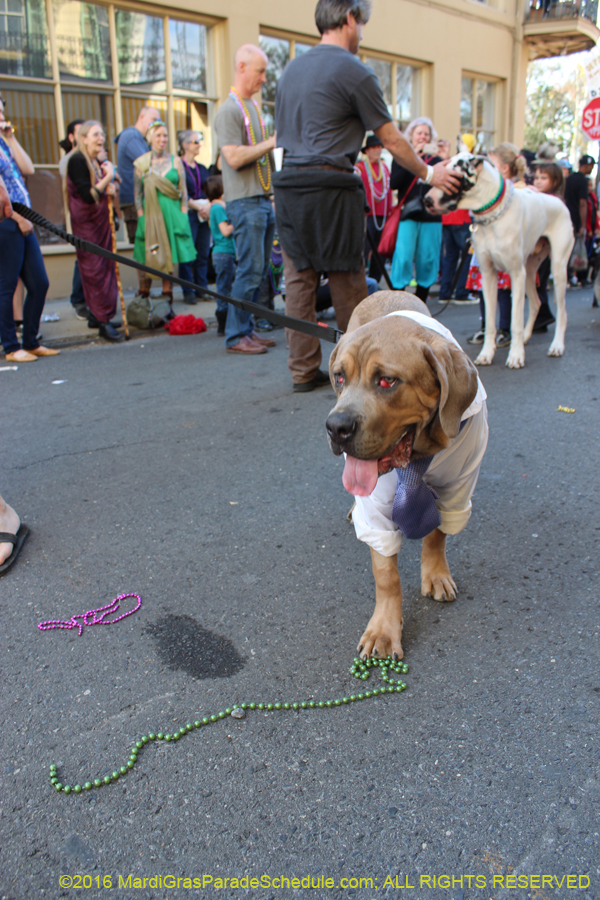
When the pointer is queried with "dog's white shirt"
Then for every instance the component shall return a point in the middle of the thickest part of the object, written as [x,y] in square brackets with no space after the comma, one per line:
[453,473]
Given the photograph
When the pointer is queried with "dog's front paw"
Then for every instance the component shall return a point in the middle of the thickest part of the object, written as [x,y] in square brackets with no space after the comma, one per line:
[382,637]
[484,359]
[556,349]
[439,585]
[516,359]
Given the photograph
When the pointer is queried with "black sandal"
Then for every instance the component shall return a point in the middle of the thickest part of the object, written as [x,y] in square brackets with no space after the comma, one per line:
[17,540]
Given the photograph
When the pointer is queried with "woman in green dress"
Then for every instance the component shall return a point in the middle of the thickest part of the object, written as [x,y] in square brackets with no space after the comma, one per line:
[163,237]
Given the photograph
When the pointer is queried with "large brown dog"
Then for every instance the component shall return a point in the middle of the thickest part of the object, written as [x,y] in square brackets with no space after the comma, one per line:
[402,391]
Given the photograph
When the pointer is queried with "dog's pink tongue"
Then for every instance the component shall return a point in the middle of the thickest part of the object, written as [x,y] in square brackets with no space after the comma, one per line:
[360,476]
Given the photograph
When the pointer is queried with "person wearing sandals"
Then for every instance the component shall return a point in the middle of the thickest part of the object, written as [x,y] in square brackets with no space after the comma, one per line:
[163,237]
[12,531]
[512,166]
[20,255]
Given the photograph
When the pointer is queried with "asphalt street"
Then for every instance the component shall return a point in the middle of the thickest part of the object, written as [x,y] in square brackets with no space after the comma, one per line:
[199,481]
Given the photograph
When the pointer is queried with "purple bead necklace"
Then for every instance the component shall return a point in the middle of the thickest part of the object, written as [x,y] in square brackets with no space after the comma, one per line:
[90,617]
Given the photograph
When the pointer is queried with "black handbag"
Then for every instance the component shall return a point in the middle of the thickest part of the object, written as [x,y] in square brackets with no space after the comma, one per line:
[413,206]
[416,205]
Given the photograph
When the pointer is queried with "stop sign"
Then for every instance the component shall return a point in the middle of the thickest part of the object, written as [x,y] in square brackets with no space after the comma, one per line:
[590,121]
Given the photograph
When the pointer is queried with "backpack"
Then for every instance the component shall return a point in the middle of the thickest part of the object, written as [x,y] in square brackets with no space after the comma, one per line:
[148,313]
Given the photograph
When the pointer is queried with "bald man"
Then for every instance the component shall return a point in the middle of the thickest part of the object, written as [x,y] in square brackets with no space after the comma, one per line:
[247,165]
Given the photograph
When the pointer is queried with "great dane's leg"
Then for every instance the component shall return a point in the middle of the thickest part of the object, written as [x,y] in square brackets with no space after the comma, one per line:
[383,634]
[489,281]
[516,356]
[533,264]
[562,245]
[436,579]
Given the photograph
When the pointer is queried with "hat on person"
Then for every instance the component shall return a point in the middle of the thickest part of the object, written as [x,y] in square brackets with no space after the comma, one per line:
[587,160]
[372,141]
[564,163]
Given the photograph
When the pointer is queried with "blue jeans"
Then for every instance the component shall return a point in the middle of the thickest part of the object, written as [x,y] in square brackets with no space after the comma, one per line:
[504,307]
[253,223]
[454,238]
[21,258]
[196,271]
[77,296]
[224,264]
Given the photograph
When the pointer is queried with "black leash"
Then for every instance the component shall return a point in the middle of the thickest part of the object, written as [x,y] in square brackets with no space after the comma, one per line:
[321,331]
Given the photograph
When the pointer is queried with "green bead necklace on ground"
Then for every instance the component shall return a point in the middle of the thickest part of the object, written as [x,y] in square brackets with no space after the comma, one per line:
[360,669]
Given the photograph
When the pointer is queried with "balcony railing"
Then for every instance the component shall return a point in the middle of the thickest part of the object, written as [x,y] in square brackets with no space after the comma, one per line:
[562,9]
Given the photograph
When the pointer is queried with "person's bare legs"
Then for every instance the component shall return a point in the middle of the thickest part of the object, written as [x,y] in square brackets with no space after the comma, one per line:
[9,522]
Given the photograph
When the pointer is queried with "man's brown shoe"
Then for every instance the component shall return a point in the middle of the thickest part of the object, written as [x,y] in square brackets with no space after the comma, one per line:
[259,339]
[20,356]
[44,351]
[247,347]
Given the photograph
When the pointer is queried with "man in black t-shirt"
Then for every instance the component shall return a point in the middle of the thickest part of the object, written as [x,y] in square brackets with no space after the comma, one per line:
[326,100]
[576,194]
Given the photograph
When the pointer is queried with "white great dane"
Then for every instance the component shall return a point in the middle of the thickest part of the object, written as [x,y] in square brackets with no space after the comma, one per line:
[508,225]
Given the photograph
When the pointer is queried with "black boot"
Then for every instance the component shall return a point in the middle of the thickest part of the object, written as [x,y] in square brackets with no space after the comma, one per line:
[422,293]
[221,319]
[109,332]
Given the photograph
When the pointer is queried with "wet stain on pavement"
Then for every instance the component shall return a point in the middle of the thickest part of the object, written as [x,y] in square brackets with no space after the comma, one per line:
[78,848]
[182,643]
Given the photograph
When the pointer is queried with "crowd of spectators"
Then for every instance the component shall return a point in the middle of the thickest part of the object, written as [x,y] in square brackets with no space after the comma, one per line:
[182,217]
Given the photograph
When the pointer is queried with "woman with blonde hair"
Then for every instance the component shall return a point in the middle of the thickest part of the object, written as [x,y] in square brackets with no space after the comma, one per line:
[419,239]
[163,237]
[89,185]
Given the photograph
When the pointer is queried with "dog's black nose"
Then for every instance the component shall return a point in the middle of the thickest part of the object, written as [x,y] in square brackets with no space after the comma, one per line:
[341,426]
[427,200]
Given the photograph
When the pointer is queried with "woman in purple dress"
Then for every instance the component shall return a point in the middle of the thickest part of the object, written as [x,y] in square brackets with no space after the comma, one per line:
[89,186]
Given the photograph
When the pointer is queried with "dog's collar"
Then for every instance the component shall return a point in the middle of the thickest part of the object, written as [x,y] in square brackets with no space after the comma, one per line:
[497,199]
[499,203]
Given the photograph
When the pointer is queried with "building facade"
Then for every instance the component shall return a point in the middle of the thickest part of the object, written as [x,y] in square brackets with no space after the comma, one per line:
[461,62]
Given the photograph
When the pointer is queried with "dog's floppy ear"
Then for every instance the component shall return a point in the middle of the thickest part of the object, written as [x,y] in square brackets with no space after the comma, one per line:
[457,378]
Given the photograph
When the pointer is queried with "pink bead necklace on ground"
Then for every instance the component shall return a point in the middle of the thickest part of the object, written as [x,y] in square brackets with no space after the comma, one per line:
[90,617]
